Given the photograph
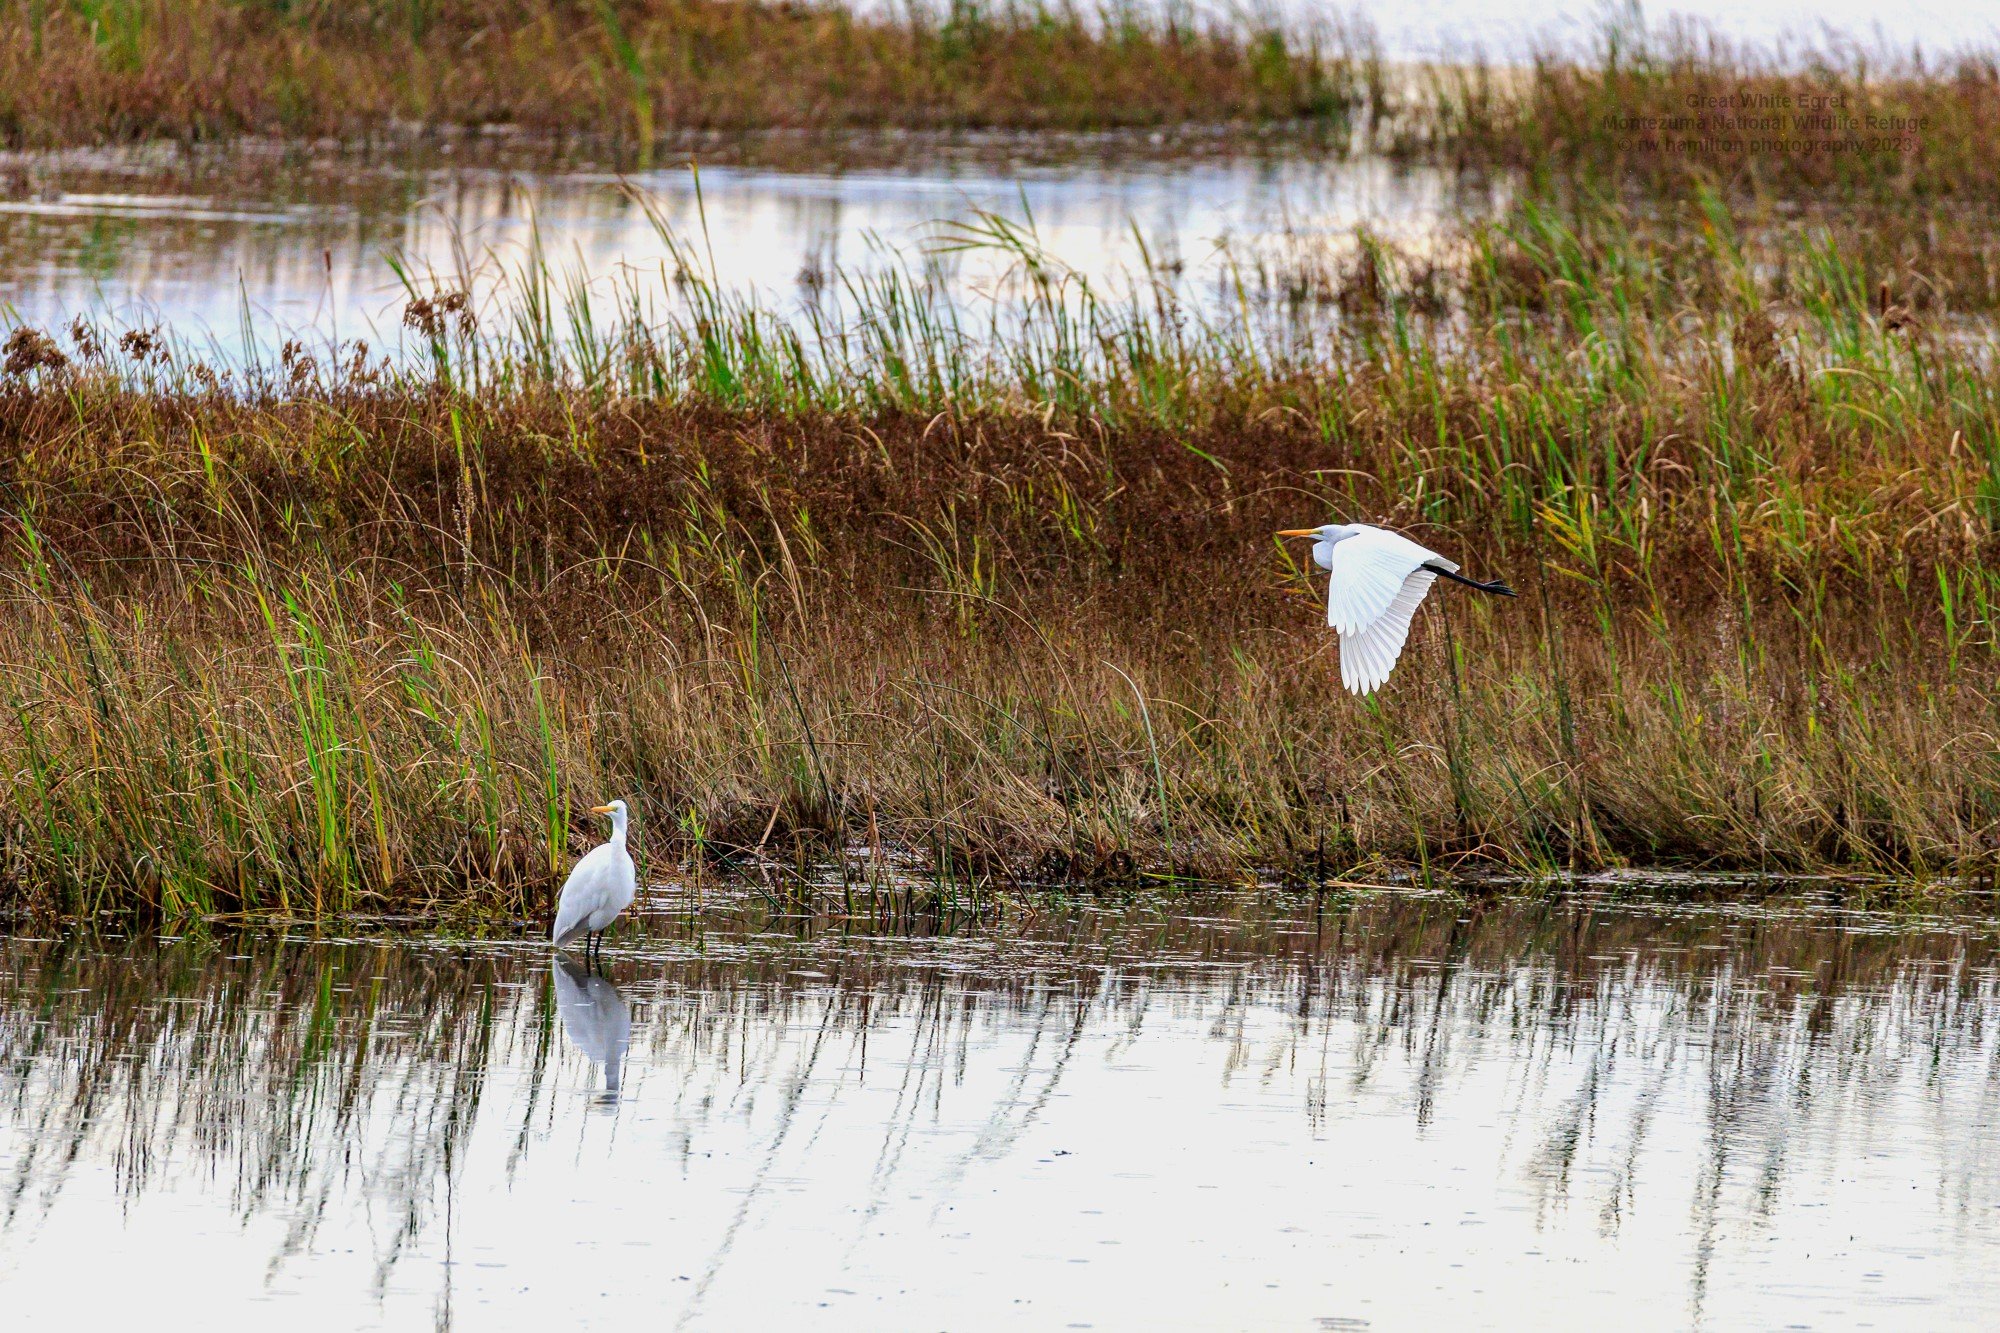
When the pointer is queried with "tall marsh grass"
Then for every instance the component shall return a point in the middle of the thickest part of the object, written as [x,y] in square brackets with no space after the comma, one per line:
[621,72]
[1662,108]
[1670,108]
[344,633]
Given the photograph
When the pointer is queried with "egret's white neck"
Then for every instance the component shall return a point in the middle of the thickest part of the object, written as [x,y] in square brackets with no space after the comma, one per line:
[618,825]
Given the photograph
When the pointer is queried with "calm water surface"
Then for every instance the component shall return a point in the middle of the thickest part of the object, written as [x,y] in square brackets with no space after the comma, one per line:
[1253,1111]
[237,253]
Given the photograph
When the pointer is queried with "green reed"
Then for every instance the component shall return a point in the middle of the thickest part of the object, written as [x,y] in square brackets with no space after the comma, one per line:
[996,585]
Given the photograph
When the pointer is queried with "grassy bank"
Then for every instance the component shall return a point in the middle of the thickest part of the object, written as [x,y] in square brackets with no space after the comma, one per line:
[1668,108]
[1673,110]
[630,71]
[347,634]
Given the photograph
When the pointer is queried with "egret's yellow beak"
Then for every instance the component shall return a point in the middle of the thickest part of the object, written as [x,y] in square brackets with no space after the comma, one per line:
[1300,532]
[601,810]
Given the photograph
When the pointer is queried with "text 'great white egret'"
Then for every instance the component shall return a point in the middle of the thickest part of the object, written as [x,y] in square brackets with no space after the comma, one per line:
[1378,579]
[599,888]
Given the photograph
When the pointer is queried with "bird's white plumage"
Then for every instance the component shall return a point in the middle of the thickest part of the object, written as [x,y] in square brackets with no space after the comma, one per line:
[1376,580]
[601,886]
[1368,656]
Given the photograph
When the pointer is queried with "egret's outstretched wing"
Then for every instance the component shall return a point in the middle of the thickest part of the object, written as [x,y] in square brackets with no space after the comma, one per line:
[1368,571]
[1367,657]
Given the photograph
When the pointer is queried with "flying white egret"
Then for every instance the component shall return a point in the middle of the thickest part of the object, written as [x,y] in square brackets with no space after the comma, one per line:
[599,888]
[598,1021]
[1379,578]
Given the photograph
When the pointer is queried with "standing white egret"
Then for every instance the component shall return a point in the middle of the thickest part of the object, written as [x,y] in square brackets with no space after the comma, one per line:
[599,888]
[1379,578]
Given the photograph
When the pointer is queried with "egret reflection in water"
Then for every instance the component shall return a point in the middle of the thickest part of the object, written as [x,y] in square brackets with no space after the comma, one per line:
[597,1021]
[1206,1111]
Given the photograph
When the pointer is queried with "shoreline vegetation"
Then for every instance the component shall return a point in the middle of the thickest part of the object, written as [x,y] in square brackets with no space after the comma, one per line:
[648,81]
[347,632]
[631,71]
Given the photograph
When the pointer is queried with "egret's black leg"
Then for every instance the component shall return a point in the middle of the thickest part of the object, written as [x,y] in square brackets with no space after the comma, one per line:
[1496,587]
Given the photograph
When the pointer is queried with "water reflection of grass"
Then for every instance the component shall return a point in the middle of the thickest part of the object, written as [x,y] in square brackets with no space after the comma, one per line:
[103,246]
[311,1080]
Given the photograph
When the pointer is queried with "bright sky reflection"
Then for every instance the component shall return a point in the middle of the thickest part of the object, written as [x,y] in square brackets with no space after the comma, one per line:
[1205,1114]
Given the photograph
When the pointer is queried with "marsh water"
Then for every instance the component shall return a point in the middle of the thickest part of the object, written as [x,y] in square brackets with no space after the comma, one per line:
[234,252]
[1261,1109]
[237,251]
